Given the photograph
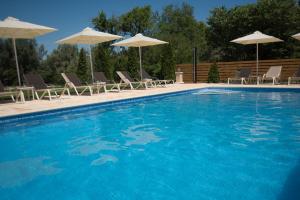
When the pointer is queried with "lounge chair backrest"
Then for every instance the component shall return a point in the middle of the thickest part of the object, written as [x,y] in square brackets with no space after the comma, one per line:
[73,79]
[297,73]
[35,80]
[237,73]
[274,71]
[145,74]
[245,72]
[100,77]
[123,77]
[1,87]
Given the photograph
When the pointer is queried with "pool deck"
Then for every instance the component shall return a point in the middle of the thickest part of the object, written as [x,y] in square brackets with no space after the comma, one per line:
[10,109]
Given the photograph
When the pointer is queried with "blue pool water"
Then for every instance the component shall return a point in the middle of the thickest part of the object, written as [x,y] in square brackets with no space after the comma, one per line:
[206,144]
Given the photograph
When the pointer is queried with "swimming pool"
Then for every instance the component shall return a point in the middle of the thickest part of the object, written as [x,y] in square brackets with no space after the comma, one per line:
[201,144]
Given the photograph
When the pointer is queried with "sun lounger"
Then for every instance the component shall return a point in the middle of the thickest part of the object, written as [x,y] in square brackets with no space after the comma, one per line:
[126,81]
[241,75]
[73,82]
[295,77]
[154,81]
[101,79]
[39,85]
[14,95]
[273,74]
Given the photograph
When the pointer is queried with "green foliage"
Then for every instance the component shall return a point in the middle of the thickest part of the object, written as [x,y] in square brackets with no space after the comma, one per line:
[137,20]
[213,74]
[167,63]
[29,57]
[279,18]
[62,59]
[82,68]
[133,62]
[179,27]
[174,24]
[102,61]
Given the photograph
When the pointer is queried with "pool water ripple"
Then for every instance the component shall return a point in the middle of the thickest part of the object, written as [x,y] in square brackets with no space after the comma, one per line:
[208,144]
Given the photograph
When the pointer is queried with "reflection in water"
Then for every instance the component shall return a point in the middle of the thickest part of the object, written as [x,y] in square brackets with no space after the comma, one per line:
[88,145]
[141,135]
[21,171]
[104,159]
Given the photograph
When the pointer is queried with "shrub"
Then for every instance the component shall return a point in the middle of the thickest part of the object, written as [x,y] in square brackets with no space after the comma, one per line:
[213,74]
[167,63]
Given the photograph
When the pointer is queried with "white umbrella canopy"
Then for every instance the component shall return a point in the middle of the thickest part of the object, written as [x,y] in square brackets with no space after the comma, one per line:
[139,40]
[16,29]
[296,36]
[89,36]
[256,38]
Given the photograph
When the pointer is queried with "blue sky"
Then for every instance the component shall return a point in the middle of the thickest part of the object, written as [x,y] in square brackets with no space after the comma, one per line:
[70,16]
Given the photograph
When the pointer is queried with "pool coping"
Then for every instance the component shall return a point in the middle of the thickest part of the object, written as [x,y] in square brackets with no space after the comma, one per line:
[116,102]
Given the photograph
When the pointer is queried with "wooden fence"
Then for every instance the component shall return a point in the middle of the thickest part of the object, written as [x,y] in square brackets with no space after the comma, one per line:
[227,69]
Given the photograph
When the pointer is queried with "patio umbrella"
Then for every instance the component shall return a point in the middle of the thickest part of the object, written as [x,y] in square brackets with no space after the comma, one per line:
[16,29]
[296,36]
[139,41]
[256,38]
[90,37]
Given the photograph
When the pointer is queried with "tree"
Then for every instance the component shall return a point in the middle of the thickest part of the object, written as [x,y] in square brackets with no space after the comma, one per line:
[213,74]
[167,63]
[62,59]
[133,63]
[29,59]
[179,27]
[268,16]
[103,61]
[137,20]
[82,69]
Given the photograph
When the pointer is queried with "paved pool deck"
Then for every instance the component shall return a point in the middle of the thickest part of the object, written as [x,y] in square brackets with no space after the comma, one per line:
[10,109]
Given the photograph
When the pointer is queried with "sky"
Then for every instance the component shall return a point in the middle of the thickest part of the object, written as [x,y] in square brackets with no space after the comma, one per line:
[71,16]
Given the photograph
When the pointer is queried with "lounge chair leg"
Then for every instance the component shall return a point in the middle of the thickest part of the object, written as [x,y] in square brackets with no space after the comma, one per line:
[37,95]
[12,97]
[49,93]
[131,87]
[228,81]
[91,91]
[289,80]
[76,91]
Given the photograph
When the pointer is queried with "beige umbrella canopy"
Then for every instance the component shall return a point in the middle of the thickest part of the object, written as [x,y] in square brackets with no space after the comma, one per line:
[296,36]
[139,41]
[16,29]
[256,38]
[90,37]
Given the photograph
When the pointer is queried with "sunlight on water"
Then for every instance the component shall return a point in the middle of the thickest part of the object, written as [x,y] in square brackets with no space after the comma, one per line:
[18,172]
[234,145]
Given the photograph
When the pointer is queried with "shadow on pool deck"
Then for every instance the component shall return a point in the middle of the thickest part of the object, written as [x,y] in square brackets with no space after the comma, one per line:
[291,187]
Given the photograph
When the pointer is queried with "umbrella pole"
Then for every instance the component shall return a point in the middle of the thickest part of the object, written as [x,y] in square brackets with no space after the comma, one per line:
[140,53]
[257,63]
[91,61]
[16,58]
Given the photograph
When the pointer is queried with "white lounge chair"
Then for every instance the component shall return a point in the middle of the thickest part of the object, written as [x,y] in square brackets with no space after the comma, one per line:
[155,81]
[73,82]
[14,95]
[241,75]
[100,79]
[39,85]
[295,77]
[126,80]
[273,74]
